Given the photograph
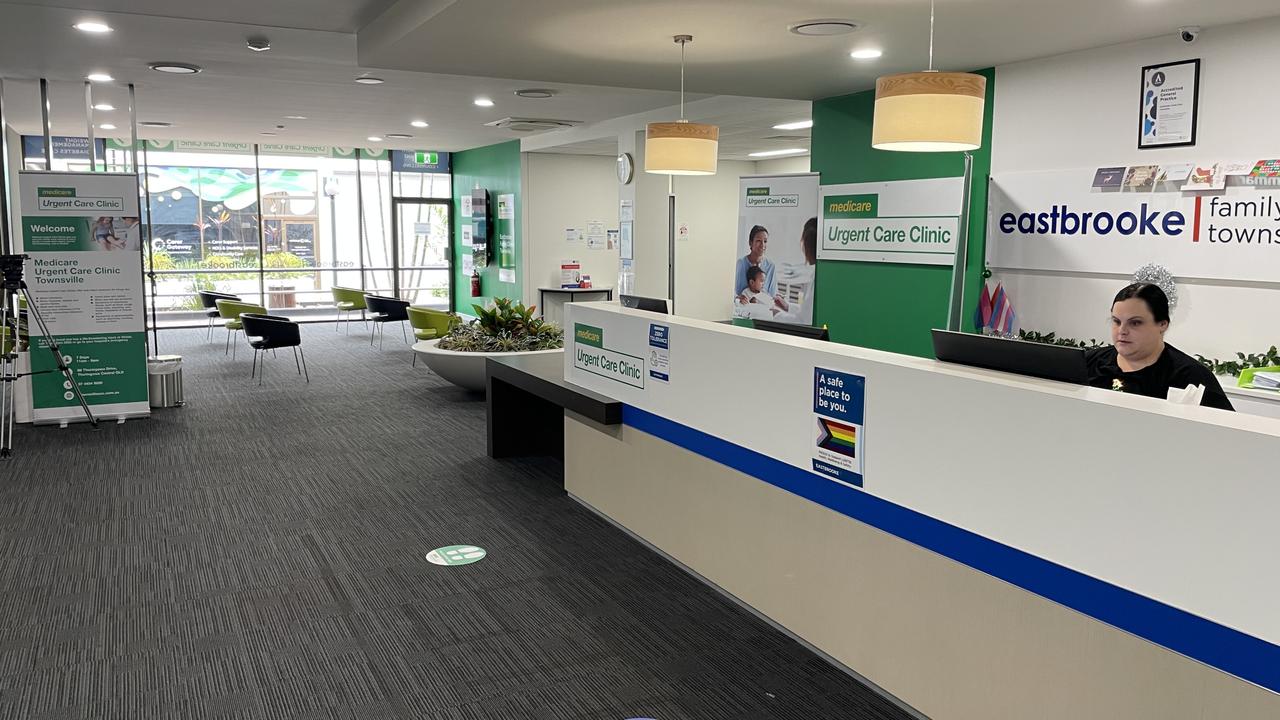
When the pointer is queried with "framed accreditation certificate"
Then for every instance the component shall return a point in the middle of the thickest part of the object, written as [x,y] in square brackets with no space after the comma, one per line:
[1170,104]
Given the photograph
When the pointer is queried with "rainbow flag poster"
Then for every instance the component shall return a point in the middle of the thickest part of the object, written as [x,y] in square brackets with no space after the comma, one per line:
[838,437]
[839,401]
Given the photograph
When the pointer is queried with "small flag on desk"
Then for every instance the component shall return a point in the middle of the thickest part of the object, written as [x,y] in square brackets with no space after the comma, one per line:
[982,315]
[1003,319]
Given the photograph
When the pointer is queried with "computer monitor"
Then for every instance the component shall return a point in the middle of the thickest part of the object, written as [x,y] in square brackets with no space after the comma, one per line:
[804,331]
[657,305]
[1051,362]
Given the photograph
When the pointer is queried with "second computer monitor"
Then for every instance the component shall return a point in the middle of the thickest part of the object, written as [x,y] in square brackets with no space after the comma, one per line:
[657,305]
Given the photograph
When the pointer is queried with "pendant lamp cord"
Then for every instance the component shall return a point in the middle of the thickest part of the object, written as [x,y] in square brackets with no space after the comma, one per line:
[930,46]
[682,78]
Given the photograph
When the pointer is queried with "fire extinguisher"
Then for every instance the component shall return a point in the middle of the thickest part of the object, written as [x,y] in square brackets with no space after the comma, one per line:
[475,283]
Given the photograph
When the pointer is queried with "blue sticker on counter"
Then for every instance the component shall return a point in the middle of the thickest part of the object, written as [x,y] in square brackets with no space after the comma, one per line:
[660,352]
[840,439]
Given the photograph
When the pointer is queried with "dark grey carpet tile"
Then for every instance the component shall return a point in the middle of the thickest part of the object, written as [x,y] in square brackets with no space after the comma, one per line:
[259,553]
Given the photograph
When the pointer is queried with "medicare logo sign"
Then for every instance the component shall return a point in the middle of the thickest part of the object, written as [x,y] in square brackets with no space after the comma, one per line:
[590,354]
[854,230]
[761,197]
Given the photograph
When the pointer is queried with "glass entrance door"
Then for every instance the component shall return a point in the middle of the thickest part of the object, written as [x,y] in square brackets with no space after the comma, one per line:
[423,246]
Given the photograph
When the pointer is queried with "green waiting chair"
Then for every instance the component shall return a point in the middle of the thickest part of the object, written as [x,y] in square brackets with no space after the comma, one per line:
[428,324]
[348,301]
[230,311]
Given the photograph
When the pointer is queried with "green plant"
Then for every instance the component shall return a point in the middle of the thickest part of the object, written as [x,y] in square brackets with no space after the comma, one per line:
[504,326]
[199,284]
[283,260]
[1053,339]
[1270,358]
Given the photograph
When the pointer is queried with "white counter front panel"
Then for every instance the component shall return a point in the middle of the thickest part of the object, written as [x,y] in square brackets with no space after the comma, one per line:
[1176,504]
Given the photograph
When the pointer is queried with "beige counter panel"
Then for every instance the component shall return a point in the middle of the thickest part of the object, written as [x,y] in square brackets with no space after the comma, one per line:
[952,642]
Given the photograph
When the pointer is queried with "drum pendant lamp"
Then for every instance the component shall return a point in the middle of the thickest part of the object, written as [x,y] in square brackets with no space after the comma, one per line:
[929,111]
[681,147]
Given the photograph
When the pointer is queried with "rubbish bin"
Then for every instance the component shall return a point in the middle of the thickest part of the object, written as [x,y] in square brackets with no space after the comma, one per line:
[164,380]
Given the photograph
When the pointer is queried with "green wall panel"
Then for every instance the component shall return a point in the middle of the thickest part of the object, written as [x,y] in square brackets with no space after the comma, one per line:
[495,168]
[891,306]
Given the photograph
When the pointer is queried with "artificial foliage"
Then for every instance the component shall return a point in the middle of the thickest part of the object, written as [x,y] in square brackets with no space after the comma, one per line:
[503,326]
[1053,339]
[1270,358]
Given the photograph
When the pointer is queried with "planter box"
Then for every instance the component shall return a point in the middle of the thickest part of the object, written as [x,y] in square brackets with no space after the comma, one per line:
[464,369]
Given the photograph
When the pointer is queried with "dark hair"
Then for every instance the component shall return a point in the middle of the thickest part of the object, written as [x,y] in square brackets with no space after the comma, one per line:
[754,272]
[755,229]
[809,238]
[1152,295]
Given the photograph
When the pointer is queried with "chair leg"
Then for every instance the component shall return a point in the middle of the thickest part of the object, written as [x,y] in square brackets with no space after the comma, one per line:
[295,359]
[209,335]
[382,334]
[234,345]
[305,374]
[253,370]
[415,360]
[375,332]
[337,323]
[404,332]
[227,349]
[262,371]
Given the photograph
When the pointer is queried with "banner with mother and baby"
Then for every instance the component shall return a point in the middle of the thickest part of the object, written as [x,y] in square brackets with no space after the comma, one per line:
[777,247]
[83,237]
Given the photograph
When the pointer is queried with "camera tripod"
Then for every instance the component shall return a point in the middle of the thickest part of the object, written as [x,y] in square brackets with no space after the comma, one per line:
[11,287]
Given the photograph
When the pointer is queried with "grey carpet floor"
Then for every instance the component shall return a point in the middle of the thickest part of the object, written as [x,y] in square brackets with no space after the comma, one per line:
[259,553]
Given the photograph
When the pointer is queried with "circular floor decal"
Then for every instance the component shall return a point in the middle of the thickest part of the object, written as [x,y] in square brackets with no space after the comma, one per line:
[456,555]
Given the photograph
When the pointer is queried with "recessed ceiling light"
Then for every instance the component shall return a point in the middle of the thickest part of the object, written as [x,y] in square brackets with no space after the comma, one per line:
[366,80]
[258,44]
[823,26]
[772,153]
[104,107]
[98,77]
[106,126]
[155,124]
[866,54]
[484,102]
[536,93]
[399,136]
[419,123]
[295,117]
[267,133]
[374,138]
[799,125]
[92,27]
[175,68]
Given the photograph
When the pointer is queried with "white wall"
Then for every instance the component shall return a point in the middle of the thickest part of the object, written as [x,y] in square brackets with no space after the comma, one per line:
[1081,111]
[561,192]
[705,262]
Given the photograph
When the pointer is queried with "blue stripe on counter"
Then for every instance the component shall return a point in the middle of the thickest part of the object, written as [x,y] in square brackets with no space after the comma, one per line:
[1218,646]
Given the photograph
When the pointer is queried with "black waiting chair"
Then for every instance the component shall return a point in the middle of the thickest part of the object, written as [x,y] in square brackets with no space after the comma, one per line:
[269,332]
[384,310]
[209,300]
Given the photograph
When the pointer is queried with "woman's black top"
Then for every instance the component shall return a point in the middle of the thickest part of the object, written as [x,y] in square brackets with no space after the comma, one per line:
[1174,369]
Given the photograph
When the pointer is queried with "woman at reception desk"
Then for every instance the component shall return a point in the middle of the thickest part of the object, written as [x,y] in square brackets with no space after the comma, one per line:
[1139,360]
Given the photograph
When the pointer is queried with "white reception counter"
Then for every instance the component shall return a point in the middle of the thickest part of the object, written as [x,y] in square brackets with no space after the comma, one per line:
[981,545]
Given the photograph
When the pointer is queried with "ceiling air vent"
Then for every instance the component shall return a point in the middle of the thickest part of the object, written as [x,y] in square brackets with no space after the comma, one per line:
[526,125]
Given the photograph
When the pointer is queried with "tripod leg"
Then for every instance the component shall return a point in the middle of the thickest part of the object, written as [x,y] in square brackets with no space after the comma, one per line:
[35,315]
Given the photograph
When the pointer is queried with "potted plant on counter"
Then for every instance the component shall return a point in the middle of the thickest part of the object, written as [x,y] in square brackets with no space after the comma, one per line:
[502,329]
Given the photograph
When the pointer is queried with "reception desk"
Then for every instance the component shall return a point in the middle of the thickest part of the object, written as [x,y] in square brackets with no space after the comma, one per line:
[978,544]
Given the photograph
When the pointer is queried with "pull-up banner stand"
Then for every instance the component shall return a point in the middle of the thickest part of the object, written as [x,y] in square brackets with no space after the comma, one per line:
[83,233]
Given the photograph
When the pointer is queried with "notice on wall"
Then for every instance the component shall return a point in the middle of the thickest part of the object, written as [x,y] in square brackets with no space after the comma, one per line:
[506,236]
[626,212]
[839,400]
[1054,221]
[611,241]
[83,236]
[466,206]
[907,221]
[1170,98]
[595,235]
[773,271]
[467,235]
